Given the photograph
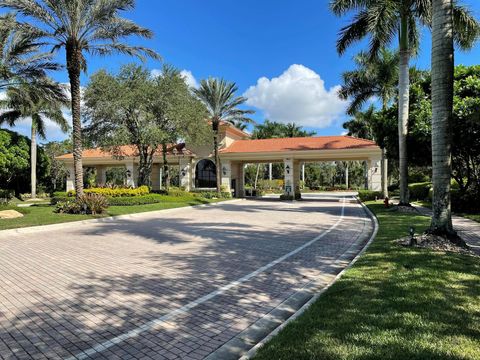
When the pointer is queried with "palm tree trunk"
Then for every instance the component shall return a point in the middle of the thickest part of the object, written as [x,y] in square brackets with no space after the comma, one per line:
[73,66]
[256,176]
[384,174]
[217,156]
[442,109]
[33,161]
[403,108]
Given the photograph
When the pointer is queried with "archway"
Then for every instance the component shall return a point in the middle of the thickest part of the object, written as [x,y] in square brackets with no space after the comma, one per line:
[205,174]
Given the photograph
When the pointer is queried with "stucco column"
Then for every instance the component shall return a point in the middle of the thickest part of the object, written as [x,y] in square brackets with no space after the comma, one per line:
[130,169]
[297,176]
[270,171]
[101,175]
[303,172]
[185,168]
[374,174]
[226,172]
[241,181]
[289,187]
[70,183]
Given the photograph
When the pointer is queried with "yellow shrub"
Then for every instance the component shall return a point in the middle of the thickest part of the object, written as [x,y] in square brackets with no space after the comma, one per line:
[116,192]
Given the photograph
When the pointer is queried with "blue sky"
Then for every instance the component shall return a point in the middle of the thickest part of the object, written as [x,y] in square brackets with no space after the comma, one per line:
[290,44]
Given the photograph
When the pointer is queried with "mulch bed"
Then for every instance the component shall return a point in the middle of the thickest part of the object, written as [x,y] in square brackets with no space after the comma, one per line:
[436,243]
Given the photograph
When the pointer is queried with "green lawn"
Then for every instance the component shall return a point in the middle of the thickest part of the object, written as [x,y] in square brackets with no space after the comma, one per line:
[43,214]
[394,303]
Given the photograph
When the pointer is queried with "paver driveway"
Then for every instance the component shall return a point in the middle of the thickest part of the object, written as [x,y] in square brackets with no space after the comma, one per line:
[165,285]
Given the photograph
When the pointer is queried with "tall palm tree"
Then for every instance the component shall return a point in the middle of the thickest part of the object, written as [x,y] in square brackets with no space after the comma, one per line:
[442,112]
[377,77]
[20,59]
[384,22]
[79,27]
[219,97]
[29,100]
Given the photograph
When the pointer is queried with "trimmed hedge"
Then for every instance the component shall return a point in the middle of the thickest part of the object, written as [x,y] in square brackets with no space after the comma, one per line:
[115,192]
[367,195]
[419,191]
[135,200]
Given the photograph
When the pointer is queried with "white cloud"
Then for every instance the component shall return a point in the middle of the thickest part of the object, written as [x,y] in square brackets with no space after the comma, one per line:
[186,74]
[297,95]
[189,78]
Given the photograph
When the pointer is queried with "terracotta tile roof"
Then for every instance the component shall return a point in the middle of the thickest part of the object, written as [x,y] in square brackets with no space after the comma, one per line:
[127,151]
[298,144]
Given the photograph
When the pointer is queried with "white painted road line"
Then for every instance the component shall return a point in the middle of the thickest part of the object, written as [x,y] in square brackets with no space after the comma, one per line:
[159,321]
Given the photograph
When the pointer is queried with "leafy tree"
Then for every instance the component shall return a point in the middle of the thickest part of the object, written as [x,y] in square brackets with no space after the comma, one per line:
[385,22]
[57,170]
[271,129]
[79,27]
[15,162]
[178,114]
[30,100]
[219,97]
[149,113]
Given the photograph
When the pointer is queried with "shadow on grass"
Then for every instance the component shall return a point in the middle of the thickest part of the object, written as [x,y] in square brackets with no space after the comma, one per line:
[395,303]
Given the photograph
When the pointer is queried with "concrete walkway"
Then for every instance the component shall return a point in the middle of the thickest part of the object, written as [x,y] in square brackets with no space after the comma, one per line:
[177,284]
[468,230]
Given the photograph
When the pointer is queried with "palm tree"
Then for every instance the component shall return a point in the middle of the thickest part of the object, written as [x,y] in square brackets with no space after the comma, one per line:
[29,100]
[20,59]
[377,77]
[79,27]
[219,97]
[384,21]
[442,112]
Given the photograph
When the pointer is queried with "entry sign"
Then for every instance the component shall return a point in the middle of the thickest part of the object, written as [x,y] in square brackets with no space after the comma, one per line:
[288,189]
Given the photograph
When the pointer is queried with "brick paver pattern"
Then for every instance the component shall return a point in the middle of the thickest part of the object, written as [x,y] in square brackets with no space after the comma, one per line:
[63,292]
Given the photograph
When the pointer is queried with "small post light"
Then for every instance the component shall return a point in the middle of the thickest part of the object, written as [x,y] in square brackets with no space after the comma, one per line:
[413,241]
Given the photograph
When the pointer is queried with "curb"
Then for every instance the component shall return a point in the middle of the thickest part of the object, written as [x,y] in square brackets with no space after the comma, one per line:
[250,353]
[33,229]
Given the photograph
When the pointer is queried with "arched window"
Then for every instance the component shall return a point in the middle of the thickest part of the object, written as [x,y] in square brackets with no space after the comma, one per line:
[205,174]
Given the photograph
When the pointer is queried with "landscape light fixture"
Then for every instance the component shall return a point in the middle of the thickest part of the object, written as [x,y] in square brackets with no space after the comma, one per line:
[413,241]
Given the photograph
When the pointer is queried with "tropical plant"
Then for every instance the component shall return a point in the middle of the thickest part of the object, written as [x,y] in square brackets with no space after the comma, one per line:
[30,100]
[20,60]
[219,97]
[385,21]
[442,115]
[79,27]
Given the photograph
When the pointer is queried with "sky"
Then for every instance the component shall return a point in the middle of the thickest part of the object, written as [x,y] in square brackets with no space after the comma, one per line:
[280,53]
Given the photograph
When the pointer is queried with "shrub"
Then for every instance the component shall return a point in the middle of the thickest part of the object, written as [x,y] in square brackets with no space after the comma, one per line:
[5,196]
[86,204]
[67,207]
[214,195]
[419,191]
[115,192]
[367,195]
[176,191]
[136,200]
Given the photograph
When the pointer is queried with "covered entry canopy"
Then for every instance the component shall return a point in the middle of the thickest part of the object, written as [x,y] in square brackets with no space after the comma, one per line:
[295,151]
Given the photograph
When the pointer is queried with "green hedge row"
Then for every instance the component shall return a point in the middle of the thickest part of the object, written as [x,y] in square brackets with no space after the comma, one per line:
[367,195]
[419,191]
